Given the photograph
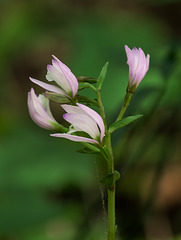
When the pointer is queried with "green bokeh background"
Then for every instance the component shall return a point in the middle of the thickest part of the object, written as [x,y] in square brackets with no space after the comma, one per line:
[48,191]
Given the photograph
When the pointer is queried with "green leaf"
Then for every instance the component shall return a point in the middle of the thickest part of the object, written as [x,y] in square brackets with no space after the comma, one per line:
[86,79]
[83,85]
[123,122]
[116,175]
[91,147]
[102,76]
[90,102]
[87,151]
[56,97]
[110,179]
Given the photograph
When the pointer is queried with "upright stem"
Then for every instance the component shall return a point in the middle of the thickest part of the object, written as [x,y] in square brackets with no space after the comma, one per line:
[110,169]
[111,214]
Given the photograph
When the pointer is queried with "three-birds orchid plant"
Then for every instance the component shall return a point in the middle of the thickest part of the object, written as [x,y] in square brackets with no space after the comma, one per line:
[86,125]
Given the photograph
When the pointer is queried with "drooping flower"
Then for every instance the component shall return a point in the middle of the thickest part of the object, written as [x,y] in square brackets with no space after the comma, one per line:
[39,110]
[83,119]
[138,66]
[62,75]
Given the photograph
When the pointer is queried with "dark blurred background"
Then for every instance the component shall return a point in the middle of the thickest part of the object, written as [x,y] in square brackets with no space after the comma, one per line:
[48,191]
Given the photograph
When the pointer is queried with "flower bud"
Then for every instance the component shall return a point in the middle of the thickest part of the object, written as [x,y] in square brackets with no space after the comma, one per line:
[138,67]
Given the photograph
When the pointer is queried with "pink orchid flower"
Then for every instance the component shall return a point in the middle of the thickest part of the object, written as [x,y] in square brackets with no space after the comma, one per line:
[39,110]
[83,119]
[64,78]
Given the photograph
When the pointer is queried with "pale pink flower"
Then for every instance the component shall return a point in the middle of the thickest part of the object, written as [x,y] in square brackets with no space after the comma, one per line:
[62,75]
[39,110]
[138,66]
[83,119]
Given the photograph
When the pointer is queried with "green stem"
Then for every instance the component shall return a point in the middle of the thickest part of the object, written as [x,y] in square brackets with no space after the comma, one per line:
[126,103]
[110,169]
[111,195]
[111,215]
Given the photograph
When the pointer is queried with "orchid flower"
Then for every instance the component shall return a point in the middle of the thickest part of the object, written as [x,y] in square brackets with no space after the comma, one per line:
[83,119]
[62,75]
[39,110]
[138,66]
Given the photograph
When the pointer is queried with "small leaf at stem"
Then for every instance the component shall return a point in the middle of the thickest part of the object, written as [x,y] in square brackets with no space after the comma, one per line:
[87,151]
[91,102]
[86,79]
[116,175]
[106,153]
[83,85]
[91,147]
[102,76]
[123,122]
[110,179]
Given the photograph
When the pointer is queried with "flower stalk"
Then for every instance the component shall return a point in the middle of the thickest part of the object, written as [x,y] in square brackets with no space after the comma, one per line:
[127,99]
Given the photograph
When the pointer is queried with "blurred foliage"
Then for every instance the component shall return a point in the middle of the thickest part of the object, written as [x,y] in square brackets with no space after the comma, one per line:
[47,190]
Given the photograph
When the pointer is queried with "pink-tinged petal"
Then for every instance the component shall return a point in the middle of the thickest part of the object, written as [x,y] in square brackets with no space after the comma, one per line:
[147,61]
[56,61]
[95,116]
[130,62]
[74,138]
[48,87]
[143,67]
[72,80]
[83,123]
[128,51]
[140,69]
